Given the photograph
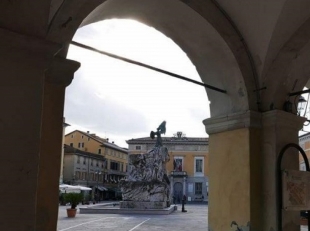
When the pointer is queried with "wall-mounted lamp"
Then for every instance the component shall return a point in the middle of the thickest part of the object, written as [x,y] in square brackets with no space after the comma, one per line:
[301,104]
[288,105]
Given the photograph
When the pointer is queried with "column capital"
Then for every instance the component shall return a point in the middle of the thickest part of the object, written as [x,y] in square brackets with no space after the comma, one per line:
[61,71]
[282,119]
[234,121]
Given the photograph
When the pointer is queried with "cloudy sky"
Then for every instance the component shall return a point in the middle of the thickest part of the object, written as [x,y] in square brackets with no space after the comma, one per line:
[120,101]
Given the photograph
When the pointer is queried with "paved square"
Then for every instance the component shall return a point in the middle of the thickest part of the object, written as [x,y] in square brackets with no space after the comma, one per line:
[195,219]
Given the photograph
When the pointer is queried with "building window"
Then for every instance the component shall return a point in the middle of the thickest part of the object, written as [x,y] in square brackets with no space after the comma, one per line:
[97,163]
[178,164]
[91,162]
[82,145]
[77,175]
[84,160]
[72,136]
[99,151]
[114,165]
[78,160]
[198,188]
[84,176]
[79,145]
[138,147]
[71,144]
[198,166]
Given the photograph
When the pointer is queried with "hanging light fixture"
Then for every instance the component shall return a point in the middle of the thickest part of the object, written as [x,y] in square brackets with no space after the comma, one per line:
[301,104]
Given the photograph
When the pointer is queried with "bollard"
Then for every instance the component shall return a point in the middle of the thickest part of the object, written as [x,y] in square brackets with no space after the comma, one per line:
[183,209]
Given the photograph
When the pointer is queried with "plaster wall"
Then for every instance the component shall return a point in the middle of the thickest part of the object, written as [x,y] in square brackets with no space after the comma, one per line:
[232,179]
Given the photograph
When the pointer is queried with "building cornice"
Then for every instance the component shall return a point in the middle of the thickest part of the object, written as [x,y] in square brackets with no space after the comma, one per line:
[171,140]
[112,146]
[103,142]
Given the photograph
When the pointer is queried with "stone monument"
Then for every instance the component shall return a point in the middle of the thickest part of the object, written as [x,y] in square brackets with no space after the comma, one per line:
[147,185]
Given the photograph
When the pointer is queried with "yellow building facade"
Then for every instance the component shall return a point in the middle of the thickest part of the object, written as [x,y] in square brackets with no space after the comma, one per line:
[304,143]
[115,160]
[187,168]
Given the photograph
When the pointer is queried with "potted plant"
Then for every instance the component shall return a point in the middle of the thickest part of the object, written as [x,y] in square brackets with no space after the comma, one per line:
[74,199]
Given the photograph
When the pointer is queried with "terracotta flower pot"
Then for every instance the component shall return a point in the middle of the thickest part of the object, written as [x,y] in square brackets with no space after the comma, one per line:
[71,212]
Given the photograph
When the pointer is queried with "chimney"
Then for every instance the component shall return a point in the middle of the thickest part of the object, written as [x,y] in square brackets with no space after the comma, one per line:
[87,132]
[112,142]
[108,140]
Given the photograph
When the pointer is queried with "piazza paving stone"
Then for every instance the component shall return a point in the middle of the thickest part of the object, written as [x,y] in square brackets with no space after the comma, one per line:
[196,218]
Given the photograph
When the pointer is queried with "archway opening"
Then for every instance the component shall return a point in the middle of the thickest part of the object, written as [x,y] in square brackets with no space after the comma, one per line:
[115,84]
[120,101]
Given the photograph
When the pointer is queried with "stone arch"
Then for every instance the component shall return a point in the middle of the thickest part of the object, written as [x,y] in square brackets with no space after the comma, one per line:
[201,29]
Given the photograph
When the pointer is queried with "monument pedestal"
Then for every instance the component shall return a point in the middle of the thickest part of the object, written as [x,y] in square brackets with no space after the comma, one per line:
[143,205]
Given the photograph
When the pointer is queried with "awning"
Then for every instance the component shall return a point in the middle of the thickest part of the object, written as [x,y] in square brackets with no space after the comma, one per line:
[101,188]
[73,188]
[83,188]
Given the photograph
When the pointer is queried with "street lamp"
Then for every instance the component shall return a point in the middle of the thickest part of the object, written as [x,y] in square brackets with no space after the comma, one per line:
[302,102]
[98,174]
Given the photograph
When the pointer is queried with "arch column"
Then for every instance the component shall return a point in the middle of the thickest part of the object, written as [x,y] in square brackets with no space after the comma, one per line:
[57,77]
[243,151]
[278,129]
[31,124]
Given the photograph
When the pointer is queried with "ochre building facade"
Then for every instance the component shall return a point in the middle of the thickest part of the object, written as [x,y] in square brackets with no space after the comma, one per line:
[101,173]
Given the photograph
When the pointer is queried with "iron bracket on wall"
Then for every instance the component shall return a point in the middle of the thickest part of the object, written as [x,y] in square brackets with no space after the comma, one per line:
[148,67]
